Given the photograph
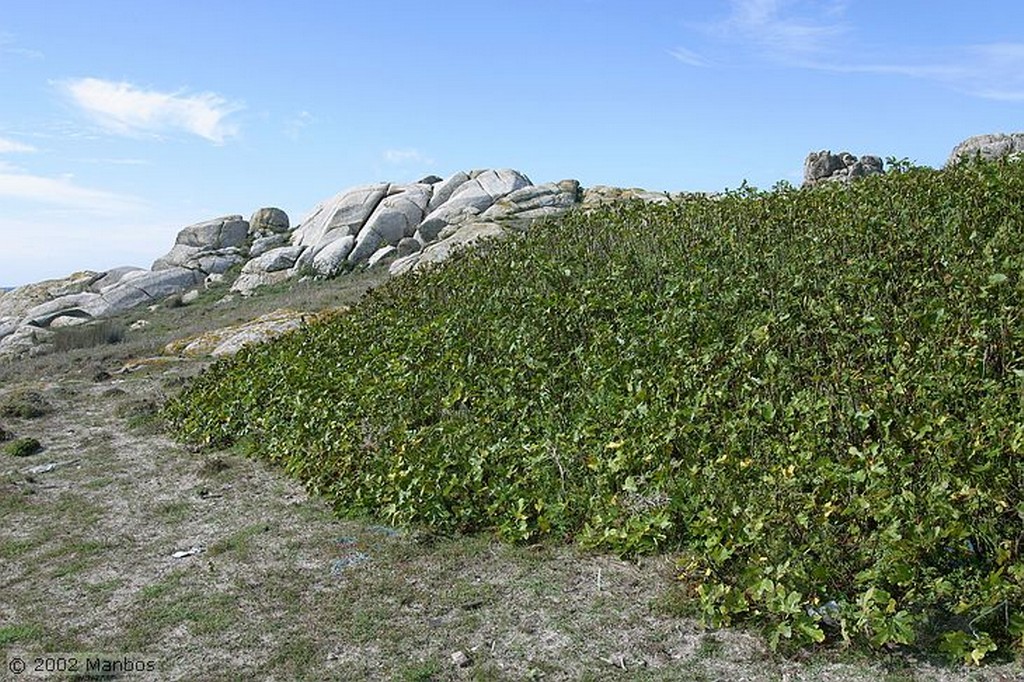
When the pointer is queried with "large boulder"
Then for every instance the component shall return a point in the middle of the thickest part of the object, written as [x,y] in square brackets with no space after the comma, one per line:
[280,258]
[272,267]
[16,302]
[824,166]
[396,217]
[83,304]
[331,259]
[229,340]
[144,288]
[993,146]
[443,190]
[602,195]
[263,244]
[344,214]
[267,221]
[112,277]
[535,201]
[211,246]
[440,251]
[471,198]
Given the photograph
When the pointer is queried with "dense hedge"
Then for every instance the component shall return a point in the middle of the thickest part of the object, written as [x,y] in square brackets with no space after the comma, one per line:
[815,397]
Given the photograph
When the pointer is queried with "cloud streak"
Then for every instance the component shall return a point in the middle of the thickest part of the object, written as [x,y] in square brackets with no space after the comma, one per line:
[780,30]
[126,109]
[15,147]
[401,157]
[689,57]
[63,192]
[816,36]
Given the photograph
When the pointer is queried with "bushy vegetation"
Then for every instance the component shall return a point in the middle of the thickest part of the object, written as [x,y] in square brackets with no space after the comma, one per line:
[22,447]
[814,397]
[24,404]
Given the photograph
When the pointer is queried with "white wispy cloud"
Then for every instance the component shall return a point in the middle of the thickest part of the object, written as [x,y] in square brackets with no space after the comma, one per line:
[406,157]
[994,71]
[817,36]
[784,29]
[14,147]
[9,46]
[115,162]
[63,192]
[689,57]
[293,127]
[127,109]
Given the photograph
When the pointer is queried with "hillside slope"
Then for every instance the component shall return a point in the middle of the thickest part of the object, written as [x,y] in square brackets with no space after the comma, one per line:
[813,396]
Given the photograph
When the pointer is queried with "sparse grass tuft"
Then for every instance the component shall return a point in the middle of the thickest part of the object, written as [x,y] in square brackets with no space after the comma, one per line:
[11,634]
[89,335]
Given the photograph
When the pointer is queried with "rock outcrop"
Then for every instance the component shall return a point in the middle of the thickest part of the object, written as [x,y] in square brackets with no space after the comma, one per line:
[209,247]
[230,340]
[824,166]
[371,224]
[401,226]
[995,146]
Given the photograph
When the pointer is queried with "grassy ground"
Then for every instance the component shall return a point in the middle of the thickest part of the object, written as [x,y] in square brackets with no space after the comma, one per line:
[274,586]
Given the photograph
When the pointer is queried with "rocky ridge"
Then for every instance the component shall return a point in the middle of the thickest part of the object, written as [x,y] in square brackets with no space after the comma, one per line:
[400,226]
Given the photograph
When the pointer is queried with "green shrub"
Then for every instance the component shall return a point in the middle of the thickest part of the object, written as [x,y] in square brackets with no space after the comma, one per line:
[812,396]
[22,447]
[24,404]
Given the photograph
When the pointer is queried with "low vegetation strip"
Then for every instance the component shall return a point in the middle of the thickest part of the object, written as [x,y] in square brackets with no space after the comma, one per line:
[814,397]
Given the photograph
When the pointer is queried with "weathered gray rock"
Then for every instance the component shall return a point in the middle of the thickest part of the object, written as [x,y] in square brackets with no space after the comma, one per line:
[266,221]
[144,288]
[396,216]
[330,260]
[443,190]
[824,166]
[992,146]
[263,244]
[248,282]
[407,246]
[84,304]
[441,251]
[69,321]
[112,277]
[214,243]
[272,267]
[280,258]
[380,255]
[219,233]
[8,325]
[535,201]
[24,340]
[470,199]
[600,195]
[16,302]
[345,214]
[216,263]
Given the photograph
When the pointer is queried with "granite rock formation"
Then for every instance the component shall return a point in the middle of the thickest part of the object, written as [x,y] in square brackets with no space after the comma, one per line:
[824,166]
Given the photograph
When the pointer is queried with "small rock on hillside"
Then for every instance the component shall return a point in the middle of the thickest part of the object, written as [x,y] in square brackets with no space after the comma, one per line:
[824,166]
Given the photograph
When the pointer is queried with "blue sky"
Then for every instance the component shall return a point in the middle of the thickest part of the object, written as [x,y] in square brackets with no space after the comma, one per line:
[121,122]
